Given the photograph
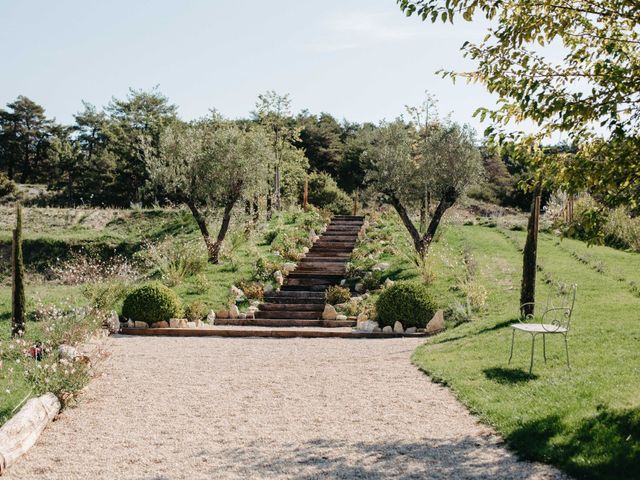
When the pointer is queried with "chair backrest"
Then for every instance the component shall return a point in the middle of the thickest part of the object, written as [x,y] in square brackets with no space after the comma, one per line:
[560,306]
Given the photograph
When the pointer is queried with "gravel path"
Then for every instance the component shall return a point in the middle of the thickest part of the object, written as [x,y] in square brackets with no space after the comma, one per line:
[203,408]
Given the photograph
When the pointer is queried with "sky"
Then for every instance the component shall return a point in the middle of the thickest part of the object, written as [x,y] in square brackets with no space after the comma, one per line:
[361,60]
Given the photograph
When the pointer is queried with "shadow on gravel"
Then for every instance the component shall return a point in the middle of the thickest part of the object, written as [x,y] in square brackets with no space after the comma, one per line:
[467,458]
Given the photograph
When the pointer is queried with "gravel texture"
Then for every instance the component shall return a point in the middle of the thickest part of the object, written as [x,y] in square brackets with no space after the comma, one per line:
[204,408]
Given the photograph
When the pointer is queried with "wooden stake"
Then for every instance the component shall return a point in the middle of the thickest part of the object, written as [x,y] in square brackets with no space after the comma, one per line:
[305,195]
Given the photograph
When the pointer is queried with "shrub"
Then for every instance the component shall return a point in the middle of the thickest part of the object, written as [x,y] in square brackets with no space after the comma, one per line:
[325,193]
[152,303]
[105,295]
[200,284]
[337,294]
[7,187]
[407,302]
[252,290]
[174,260]
[263,269]
[372,280]
[195,310]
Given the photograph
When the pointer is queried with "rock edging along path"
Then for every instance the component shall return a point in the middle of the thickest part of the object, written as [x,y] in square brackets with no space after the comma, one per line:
[201,408]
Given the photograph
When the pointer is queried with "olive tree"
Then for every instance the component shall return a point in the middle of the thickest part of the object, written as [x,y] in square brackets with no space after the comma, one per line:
[401,168]
[210,166]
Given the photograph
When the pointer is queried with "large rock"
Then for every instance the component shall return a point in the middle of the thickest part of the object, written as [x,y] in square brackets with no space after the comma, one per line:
[268,288]
[242,316]
[359,287]
[162,324]
[305,250]
[140,325]
[112,322]
[341,318]
[388,282]
[398,328]
[236,293]
[68,352]
[211,317]
[436,324]
[367,326]
[178,323]
[222,314]
[381,267]
[191,324]
[234,312]
[278,277]
[329,313]
[289,267]
[387,329]
[130,324]
[411,330]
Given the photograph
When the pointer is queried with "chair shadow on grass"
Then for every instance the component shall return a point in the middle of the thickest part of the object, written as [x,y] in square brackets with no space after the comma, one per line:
[508,375]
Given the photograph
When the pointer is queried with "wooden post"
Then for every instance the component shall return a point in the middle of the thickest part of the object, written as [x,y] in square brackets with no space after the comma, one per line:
[355,202]
[305,194]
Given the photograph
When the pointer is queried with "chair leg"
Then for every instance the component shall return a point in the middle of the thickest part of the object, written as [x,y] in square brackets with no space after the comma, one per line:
[513,334]
[533,342]
[566,348]
[544,347]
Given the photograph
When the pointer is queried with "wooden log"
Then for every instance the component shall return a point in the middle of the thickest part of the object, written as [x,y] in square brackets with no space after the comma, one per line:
[21,432]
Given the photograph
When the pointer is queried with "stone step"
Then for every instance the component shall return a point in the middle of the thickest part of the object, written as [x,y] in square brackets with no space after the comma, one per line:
[310,282]
[310,307]
[287,300]
[285,322]
[293,314]
[313,274]
[310,258]
[304,288]
[301,294]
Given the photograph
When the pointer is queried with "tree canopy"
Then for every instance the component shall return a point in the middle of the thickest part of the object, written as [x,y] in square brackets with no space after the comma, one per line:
[592,93]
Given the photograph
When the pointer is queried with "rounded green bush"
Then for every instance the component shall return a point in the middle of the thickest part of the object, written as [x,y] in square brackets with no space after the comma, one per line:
[152,303]
[407,302]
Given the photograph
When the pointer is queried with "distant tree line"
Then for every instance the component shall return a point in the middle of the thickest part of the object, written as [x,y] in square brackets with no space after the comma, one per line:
[102,158]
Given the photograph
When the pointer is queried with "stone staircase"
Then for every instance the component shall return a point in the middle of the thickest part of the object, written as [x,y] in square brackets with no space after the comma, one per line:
[300,301]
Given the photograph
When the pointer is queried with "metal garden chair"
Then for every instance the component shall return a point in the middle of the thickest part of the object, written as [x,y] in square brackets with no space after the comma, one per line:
[554,319]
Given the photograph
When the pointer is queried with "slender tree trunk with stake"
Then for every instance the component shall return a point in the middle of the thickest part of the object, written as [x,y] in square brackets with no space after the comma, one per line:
[529,256]
[18,297]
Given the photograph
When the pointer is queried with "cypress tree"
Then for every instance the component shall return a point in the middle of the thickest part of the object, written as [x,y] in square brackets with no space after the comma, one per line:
[17,264]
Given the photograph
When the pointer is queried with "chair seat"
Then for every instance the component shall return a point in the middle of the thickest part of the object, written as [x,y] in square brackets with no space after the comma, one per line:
[539,328]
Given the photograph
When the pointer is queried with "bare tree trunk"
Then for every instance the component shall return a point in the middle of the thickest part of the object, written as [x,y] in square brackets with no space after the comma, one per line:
[256,210]
[422,242]
[204,230]
[276,193]
[269,206]
[224,227]
[529,257]
[423,213]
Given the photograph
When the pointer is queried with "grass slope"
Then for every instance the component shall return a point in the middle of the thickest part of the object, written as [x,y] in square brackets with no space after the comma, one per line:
[585,420]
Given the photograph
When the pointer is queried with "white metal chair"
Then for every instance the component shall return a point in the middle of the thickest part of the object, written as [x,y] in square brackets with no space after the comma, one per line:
[555,319]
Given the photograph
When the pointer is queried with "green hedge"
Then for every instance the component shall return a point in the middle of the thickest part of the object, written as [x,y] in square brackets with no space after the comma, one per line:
[152,303]
[407,302]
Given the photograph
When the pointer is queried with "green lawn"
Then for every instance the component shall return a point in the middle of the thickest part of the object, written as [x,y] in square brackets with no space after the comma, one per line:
[586,420]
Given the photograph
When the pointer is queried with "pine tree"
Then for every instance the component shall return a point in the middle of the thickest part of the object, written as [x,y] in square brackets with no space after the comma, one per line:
[17,264]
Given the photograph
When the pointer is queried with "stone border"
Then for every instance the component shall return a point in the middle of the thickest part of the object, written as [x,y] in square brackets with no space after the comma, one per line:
[22,430]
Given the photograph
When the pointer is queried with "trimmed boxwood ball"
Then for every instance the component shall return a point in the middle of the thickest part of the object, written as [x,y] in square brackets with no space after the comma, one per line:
[152,303]
[407,302]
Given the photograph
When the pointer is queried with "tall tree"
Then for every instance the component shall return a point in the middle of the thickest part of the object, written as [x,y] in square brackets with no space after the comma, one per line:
[211,166]
[402,169]
[592,93]
[25,140]
[320,138]
[273,111]
[134,129]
